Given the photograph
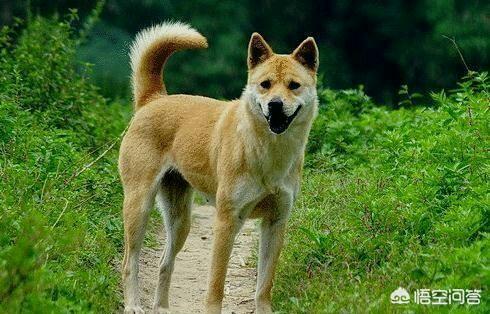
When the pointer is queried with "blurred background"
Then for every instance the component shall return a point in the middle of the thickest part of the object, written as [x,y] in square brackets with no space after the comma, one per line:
[380,45]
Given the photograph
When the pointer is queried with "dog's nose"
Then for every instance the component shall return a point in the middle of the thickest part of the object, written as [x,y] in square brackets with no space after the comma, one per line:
[275,105]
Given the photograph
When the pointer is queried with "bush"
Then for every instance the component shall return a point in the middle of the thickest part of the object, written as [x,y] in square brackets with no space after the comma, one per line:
[407,204]
[61,233]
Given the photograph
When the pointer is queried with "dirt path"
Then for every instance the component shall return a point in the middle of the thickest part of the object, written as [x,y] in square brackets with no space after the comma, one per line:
[189,279]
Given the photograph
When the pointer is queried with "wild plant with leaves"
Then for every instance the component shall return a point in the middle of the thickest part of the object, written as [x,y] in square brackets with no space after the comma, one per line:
[392,198]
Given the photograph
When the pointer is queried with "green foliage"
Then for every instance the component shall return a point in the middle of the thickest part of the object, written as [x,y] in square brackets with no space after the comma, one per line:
[61,234]
[391,198]
[381,44]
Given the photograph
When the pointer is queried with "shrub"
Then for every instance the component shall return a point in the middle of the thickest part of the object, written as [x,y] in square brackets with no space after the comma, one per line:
[407,204]
[61,234]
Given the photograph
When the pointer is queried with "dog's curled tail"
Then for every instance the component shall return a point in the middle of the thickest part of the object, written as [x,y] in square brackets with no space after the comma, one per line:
[149,52]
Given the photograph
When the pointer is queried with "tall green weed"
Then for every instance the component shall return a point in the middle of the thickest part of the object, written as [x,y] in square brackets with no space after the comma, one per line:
[391,198]
[61,234]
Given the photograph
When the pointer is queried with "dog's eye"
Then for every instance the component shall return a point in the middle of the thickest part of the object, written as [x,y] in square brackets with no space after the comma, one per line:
[293,85]
[266,84]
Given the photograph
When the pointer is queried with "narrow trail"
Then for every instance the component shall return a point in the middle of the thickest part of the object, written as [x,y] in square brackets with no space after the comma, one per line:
[189,280]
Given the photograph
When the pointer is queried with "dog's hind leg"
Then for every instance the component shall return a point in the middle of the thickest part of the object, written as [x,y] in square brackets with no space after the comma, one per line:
[174,196]
[138,201]
[140,175]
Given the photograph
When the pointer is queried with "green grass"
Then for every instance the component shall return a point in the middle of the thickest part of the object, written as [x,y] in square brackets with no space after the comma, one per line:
[390,197]
[61,234]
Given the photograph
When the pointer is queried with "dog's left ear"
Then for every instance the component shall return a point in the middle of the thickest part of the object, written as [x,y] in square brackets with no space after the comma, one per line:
[258,50]
[307,54]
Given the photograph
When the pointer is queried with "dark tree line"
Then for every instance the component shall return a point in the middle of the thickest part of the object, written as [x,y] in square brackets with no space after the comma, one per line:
[378,44]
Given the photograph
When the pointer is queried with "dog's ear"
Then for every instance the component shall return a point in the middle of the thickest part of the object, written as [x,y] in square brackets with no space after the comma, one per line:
[307,54]
[258,50]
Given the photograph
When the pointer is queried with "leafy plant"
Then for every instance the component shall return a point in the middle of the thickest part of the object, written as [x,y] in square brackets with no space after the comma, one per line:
[61,234]
[409,97]
[391,198]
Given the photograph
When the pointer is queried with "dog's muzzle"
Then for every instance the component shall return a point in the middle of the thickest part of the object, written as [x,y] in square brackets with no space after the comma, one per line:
[277,119]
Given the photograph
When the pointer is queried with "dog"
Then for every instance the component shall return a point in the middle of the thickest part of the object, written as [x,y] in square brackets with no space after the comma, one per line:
[245,155]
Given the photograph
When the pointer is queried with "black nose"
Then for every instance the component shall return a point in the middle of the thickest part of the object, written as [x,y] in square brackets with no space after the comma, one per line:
[275,106]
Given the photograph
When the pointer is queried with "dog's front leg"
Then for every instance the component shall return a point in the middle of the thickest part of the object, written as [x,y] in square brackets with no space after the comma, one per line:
[232,209]
[225,231]
[272,230]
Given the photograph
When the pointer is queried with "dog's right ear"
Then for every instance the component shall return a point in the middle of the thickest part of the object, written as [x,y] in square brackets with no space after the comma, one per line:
[258,50]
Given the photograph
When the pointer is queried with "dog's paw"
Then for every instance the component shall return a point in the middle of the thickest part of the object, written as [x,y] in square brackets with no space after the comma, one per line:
[264,308]
[213,309]
[161,310]
[133,310]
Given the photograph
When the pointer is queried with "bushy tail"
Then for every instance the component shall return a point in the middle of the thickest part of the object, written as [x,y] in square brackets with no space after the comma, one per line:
[149,52]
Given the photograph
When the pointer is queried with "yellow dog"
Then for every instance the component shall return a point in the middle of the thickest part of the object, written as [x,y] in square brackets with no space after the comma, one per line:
[245,155]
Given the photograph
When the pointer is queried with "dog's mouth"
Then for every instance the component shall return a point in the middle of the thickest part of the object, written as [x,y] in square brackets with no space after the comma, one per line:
[278,121]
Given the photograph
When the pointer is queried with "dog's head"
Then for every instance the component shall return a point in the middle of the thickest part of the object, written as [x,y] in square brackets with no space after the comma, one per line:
[281,88]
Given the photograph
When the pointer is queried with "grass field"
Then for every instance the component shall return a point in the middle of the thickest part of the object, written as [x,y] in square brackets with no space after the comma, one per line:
[390,197]
[61,228]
